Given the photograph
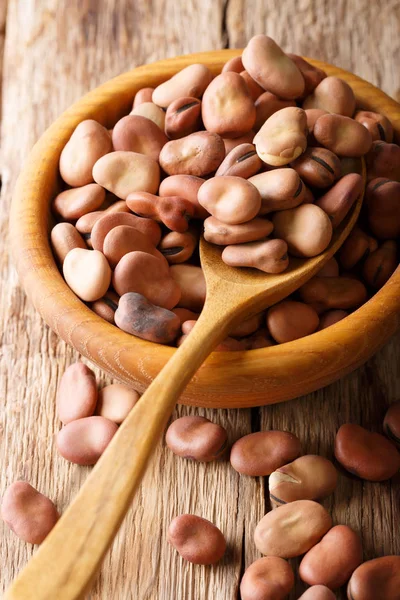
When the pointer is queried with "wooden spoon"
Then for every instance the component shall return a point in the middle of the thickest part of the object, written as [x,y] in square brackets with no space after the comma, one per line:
[67,561]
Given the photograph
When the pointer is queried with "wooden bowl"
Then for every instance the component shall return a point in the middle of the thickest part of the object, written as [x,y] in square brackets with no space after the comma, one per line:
[227,379]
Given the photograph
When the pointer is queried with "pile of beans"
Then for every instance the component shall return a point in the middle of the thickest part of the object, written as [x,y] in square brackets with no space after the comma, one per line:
[265,159]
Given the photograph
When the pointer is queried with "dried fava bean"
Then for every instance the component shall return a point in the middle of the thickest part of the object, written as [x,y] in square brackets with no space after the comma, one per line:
[86,223]
[337,201]
[279,189]
[124,172]
[356,247]
[289,320]
[196,438]
[147,275]
[198,154]
[248,326]
[366,454]
[342,135]
[89,142]
[351,165]
[318,592]
[263,452]
[292,529]
[242,161]
[83,441]
[333,95]
[229,344]
[106,306]
[309,477]
[266,105]
[324,293]
[148,227]
[220,233]
[191,281]
[234,64]
[65,237]
[313,114]
[307,229]
[379,126]
[259,339]
[269,66]
[312,75]
[185,186]
[87,273]
[227,107]
[173,211]
[391,423]
[254,89]
[136,315]
[178,247]
[135,133]
[377,578]
[143,95]
[151,111]
[270,256]
[318,167]
[191,81]
[28,513]
[76,202]
[116,401]
[184,314]
[381,264]
[330,318]
[383,207]
[330,268]
[332,561]
[268,578]
[124,239]
[283,137]
[231,143]
[183,117]
[383,160]
[232,200]
[197,540]
[308,196]
[77,393]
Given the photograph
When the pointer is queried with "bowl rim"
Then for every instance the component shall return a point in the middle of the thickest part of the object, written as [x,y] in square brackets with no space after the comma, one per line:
[109,347]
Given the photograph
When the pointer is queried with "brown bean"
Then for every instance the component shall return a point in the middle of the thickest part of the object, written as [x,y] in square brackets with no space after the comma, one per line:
[196,154]
[233,64]
[261,453]
[330,269]
[377,578]
[289,320]
[191,281]
[178,247]
[351,165]
[116,401]
[318,592]
[231,143]
[270,256]
[382,198]
[312,75]
[191,81]
[183,117]
[378,125]
[143,95]
[196,438]
[147,275]
[136,315]
[65,237]
[381,264]
[229,344]
[283,137]
[242,161]
[383,160]
[254,88]
[185,186]
[76,202]
[220,233]
[292,529]
[184,314]
[391,423]
[279,189]
[324,293]
[272,68]
[86,223]
[331,317]
[88,143]
[342,135]
[318,167]
[87,273]
[248,326]
[83,441]
[307,229]
[268,578]
[313,114]
[123,172]
[197,540]
[333,95]
[338,201]
[332,561]
[259,339]
[366,454]
[174,211]
[356,247]
[266,105]
[309,477]
[227,107]
[101,228]
[232,200]
[106,306]
[135,133]
[77,393]
[124,239]
[150,111]
[28,513]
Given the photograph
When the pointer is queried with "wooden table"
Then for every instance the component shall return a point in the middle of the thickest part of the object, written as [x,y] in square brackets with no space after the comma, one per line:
[53,53]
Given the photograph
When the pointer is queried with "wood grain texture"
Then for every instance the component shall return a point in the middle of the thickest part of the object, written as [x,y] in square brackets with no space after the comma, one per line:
[55,52]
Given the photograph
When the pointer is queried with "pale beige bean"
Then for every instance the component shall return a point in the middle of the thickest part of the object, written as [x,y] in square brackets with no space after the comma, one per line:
[65,237]
[220,233]
[87,273]
[134,133]
[318,592]
[272,68]
[116,402]
[196,438]
[197,540]
[28,513]
[330,318]
[83,441]
[333,95]
[266,105]
[76,202]
[289,320]
[191,81]
[192,284]
[342,135]
[268,578]
[377,579]
[232,200]
[292,529]
[378,125]
[270,256]
[283,137]
[123,172]
[242,161]
[142,96]
[151,111]
[77,393]
[279,189]
[324,293]
[307,229]
[185,186]
[198,154]
[89,142]
[263,452]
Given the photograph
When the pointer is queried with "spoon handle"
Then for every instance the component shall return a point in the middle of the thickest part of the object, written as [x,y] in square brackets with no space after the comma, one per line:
[67,561]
